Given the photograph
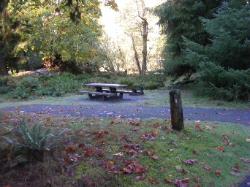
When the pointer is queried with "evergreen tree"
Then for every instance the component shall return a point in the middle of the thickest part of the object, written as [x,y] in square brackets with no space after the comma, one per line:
[181,18]
[224,64]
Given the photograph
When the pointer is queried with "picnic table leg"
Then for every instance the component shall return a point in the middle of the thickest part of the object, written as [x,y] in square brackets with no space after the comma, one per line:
[91,96]
[121,95]
[98,89]
[113,90]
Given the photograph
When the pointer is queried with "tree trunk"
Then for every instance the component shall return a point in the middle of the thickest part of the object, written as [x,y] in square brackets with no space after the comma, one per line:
[3,68]
[176,110]
[3,65]
[145,46]
[137,61]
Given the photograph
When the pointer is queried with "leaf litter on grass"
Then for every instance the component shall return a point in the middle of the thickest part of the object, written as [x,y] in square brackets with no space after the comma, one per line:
[142,157]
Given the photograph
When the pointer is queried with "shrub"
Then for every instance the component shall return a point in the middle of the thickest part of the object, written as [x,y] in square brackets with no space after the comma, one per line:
[4,87]
[31,143]
[224,84]
[25,87]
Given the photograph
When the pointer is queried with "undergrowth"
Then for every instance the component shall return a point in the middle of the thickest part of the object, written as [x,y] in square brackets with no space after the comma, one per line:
[61,84]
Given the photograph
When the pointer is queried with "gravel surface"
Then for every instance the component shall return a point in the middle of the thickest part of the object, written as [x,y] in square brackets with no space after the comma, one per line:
[241,116]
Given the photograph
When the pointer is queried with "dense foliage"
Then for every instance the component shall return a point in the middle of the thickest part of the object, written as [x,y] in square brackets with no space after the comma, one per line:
[211,39]
[180,18]
[224,64]
[57,33]
[32,86]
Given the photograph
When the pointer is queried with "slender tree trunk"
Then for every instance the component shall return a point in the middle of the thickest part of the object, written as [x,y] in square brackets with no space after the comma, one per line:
[3,68]
[137,61]
[145,46]
[3,65]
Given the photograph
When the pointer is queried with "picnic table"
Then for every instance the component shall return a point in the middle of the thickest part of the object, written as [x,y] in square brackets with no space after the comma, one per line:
[107,90]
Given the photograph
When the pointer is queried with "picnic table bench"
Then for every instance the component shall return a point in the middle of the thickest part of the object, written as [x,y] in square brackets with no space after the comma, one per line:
[105,91]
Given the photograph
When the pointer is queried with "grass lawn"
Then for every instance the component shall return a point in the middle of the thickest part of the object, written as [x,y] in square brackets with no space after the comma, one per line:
[118,152]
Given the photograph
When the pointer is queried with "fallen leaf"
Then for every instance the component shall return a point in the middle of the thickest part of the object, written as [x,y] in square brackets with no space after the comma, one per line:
[179,169]
[220,148]
[8,185]
[134,123]
[218,172]
[100,134]
[198,126]
[246,160]
[89,152]
[181,182]
[190,161]
[152,154]
[140,177]
[118,154]
[70,149]
[235,173]
[207,168]
[133,167]
[150,136]
[153,181]
[132,149]
[226,140]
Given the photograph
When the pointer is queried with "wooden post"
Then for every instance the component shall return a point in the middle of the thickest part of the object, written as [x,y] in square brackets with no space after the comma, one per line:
[176,110]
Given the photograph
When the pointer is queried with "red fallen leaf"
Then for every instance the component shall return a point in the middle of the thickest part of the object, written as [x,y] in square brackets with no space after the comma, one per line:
[198,126]
[220,148]
[133,167]
[181,182]
[8,185]
[128,170]
[150,136]
[82,146]
[218,172]
[111,167]
[100,134]
[132,149]
[70,149]
[139,169]
[99,153]
[190,161]
[246,160]
[88,152]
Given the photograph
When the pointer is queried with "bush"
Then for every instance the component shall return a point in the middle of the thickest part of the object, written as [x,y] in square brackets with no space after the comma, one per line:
[4,88]
[25,88]
[224,84]
[30,143]
[57,85]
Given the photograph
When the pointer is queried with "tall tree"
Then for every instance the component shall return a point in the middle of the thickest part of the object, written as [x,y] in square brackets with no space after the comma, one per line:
[181,18]
[224,64]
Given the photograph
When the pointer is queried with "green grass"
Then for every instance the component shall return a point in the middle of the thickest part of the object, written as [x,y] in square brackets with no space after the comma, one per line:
[171,148]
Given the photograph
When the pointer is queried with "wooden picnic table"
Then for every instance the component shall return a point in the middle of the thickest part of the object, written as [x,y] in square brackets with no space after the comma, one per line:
[107,90]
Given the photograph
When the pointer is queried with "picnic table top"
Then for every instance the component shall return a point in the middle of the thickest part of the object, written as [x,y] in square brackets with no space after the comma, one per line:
[106,85]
